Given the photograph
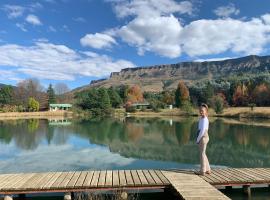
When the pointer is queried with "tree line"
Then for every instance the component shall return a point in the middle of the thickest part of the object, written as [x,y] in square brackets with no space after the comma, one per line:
[29,96]
[218,94]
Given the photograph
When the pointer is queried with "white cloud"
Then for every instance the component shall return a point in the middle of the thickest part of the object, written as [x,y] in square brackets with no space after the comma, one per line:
[13,11]
[33,19]
[79,19]
[146,8]
[52,29]
[213,59]
[156,34]
[58,62]
[65,28]
[21,26]
[98,40]
[8,75]
[226,11]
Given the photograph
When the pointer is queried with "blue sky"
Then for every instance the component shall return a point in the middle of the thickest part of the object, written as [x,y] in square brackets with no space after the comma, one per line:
[78,41]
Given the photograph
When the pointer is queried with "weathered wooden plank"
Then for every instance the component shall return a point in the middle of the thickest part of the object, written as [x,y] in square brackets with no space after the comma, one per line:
[234,178]
[149,177]
[155,177]
[239,175]
[122,178]
[250,174]
[43,182]
[8,180]
[66,180]
[109,179]
[136,179]
[73,180]
[221,175]
[102,179]
[30,184]
[52,180]
[162,177]
[81,179]
[59,180]
[88,179]
[142,177]
[116,181]
[5,178]
[129,178]
[95,178]
[24,178]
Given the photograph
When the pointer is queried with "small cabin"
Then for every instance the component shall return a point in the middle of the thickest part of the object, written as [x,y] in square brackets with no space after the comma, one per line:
[56,106]
[141,105]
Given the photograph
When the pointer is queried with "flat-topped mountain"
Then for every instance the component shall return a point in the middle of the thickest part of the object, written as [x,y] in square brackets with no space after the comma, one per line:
[159,77]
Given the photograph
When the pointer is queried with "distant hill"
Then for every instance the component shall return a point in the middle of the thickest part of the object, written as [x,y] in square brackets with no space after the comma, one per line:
[159,77]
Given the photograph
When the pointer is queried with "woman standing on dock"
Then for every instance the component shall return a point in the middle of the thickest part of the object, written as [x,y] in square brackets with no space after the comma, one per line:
[203,139]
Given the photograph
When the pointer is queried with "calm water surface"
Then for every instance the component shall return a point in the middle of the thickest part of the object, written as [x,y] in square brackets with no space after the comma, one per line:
[34,145]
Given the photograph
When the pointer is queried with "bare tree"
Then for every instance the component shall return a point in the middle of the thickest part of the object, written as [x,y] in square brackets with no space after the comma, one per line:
[62,92]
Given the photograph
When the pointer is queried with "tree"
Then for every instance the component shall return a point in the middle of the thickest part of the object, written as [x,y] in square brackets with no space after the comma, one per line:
[135,95]
[181,94]
[6,95]
[261,95]
[240,96]
[51,95]
[33,105]
[208,92]
[218,102]
[115,99]
[104,99]
[123,92]
[168,97]
[62,93]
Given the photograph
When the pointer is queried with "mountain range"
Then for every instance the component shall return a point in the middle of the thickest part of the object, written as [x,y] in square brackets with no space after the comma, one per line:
[165,77]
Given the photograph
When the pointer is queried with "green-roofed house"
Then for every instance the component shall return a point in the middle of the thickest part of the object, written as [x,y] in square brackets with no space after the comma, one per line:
[60,106]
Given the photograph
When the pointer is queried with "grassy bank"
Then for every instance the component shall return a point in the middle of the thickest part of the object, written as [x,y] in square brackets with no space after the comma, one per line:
[43,115]
[232,112]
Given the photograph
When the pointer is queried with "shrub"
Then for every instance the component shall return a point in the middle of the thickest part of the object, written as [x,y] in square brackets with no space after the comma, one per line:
[33,105]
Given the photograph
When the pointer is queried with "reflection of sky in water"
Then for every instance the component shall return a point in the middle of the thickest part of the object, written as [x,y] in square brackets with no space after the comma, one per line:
[75,154]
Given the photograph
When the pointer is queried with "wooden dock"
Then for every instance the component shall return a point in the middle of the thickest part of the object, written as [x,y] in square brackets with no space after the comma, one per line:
[185,183]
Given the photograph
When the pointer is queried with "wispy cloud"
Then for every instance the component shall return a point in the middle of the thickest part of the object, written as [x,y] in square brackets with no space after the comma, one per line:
[52,29]
[227,11]
[58,62]
[13,11]
[33,19]
[98,41]
[21,26]
[79,19]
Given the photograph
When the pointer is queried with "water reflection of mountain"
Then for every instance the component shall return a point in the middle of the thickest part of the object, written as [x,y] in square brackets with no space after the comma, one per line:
[234,144]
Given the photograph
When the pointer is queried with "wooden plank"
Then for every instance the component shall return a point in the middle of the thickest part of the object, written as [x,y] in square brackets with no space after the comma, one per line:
[5,178]
[240,176]
[102,179]
[95,178]
[129,178]
[136,179]
[59,180]
[88,179]
[66,180]
[221,175]
[122,178]
[149,177]
[73,180]
[9,180]
[20,182]
[250,174]
[30,184]
[81,179]
[155,177]
[109,179]
[162,177]
[52,180]
[42,183]
[235,178]
[116,181]
[142,177]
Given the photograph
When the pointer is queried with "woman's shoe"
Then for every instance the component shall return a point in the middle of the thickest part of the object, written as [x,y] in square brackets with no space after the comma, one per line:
[199,173]
[208,172]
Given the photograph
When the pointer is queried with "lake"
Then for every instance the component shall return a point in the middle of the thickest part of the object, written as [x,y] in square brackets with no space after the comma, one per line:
[38,145]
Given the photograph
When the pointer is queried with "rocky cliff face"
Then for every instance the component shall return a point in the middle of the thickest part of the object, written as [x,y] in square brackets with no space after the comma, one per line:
[160,77]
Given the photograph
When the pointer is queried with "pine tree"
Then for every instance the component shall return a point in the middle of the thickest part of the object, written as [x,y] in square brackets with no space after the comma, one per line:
[51,95]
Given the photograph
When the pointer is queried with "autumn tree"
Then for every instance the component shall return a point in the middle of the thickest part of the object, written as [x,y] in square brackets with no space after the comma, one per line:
[181,95]
[134,94]
[261,95]
[218,102]
[168,97]
[240,96]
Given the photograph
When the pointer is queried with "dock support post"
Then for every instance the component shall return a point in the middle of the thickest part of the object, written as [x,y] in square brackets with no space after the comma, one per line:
[247,190]
[124,196]
[67,196]
[7,197]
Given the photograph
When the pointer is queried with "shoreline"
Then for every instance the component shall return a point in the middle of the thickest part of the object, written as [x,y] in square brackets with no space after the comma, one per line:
[39,115]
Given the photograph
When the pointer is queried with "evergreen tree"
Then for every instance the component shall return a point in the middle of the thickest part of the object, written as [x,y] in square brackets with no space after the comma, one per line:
[115,99]
[51,95]
[6,93]
[208,92]
[104,99]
